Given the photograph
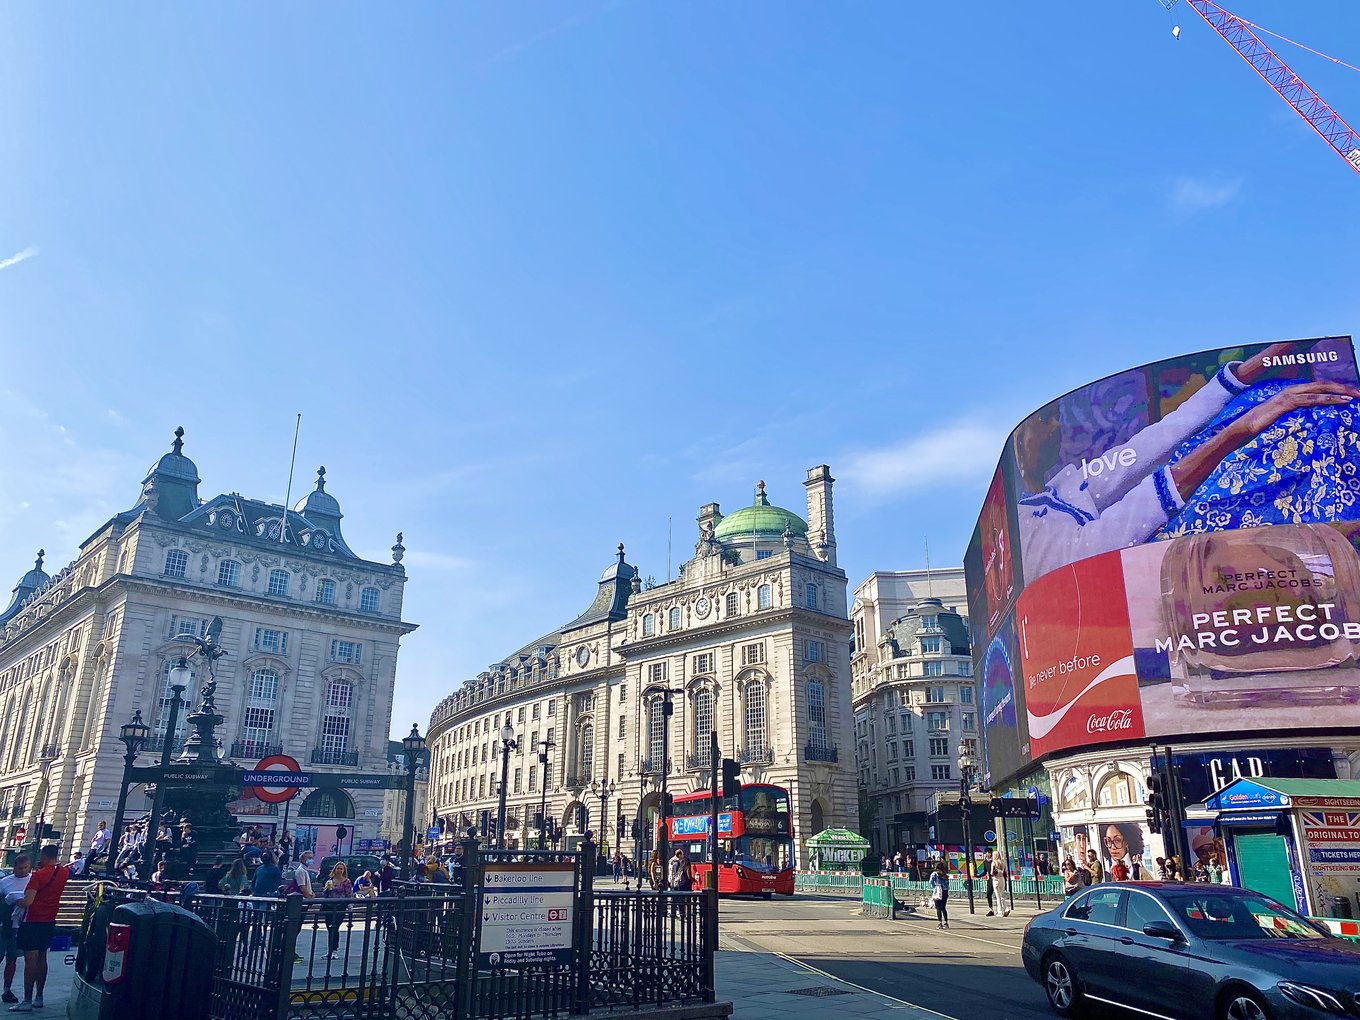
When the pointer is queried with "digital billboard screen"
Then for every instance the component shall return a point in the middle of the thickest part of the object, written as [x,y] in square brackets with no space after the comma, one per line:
[1172,550]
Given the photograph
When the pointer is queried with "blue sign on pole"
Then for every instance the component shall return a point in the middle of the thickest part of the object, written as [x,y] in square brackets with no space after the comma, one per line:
[989,836]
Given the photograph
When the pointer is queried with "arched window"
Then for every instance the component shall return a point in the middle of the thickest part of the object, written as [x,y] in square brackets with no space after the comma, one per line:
[176,563]
[261,708]
[325,591]
[656,734]
[816,693]
[1074,794]
[163,710]
[368,600]
[327,802]
[1117,790]
[755,719]
[674,623]
[278,582]
[764,597]
[703,720]
[20,731]
[6,732]
[335,724]
[648,624]
[585,754]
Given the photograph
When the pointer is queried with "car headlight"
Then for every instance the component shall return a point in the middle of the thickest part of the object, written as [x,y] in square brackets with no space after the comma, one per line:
[1306,995]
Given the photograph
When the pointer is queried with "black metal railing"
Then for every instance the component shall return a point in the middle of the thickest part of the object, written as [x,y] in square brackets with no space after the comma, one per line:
[576,780]
[254,749]
[697,761]
[413,955]
[50,751]
[654,766]
[756,756]
[321,756]
[820,752]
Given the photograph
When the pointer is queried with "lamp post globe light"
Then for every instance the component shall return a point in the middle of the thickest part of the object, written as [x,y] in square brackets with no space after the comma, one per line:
[45,762]
[543,747]
[179,683]
[135,735]
[966,766]
[412,746]
[508,744]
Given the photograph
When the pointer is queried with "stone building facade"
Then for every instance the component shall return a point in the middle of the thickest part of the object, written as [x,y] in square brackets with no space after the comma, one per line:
[310,628]
[751,639]
[913,694]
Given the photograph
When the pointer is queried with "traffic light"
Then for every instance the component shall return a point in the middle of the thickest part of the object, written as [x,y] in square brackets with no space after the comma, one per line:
[1156,800]
[49,834]
[731,778]
[538,821]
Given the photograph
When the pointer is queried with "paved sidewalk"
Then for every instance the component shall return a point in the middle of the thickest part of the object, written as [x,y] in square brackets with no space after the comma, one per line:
[765,986]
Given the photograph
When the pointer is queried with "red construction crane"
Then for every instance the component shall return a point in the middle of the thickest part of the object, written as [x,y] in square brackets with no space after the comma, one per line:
[1278,75]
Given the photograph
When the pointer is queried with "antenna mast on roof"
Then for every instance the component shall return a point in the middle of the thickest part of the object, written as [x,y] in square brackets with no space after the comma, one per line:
[668,548]
[283,524]
[930,591]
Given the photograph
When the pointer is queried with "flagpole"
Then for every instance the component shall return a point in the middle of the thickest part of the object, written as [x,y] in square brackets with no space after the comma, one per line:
[283,525]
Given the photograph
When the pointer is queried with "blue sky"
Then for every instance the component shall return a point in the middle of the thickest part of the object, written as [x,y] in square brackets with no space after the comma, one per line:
[541,276]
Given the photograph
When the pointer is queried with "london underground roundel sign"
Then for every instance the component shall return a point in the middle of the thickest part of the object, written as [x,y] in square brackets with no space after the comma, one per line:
[283,764]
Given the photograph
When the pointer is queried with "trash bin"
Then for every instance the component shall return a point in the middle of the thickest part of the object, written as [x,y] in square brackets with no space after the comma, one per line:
[158,964]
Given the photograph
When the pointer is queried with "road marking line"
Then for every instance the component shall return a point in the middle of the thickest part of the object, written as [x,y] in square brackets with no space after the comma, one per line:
[974,938]
[862,988]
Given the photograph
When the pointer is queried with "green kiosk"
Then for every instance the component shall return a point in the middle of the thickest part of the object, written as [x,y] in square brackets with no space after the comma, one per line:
[1297,840]
[836,850]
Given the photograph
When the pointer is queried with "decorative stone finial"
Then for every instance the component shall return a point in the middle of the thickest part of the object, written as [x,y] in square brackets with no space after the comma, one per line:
[620,552]
[398,550]
[321,478]
[760,487]
[178,444]
[37,565]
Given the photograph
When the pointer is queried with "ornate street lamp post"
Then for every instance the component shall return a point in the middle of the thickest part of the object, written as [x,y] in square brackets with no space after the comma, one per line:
[603,791]
[45,761]
[508,744]
[966,766]
[412,746]
[179,683]
[134,735]
[663,844]
[543,748]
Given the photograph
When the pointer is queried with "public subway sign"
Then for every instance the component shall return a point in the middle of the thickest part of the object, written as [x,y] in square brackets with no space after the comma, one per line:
[255,777]
[526,915]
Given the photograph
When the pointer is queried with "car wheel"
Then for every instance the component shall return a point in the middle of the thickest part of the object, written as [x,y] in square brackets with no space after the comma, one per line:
[1242,1004]
[1060,985]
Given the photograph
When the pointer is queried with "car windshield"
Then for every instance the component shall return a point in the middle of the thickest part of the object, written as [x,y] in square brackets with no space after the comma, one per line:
[1232,918]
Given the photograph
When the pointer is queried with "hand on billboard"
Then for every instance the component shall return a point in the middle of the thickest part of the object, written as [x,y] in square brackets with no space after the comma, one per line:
[1253,368]
[1191,470]
[1312,394]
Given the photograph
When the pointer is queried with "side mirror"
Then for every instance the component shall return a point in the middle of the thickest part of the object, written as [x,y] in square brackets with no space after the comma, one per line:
[1163,930]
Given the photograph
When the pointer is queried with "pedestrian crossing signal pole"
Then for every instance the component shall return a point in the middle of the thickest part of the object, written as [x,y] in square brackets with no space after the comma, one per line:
[713,810]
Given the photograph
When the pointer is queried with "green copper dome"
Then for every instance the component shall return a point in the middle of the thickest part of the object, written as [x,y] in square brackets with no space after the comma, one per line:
[760,520]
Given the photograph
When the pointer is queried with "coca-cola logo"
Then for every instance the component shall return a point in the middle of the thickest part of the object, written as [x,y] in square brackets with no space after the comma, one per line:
[1119,719]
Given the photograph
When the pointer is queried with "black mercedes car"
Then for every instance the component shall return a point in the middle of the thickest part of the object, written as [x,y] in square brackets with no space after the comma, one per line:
[1182,951]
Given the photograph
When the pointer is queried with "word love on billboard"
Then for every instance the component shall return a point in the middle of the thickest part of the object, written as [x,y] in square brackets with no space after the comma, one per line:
[1173,551]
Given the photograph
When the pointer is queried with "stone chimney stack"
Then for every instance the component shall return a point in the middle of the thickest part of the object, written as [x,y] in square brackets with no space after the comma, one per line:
[821,522]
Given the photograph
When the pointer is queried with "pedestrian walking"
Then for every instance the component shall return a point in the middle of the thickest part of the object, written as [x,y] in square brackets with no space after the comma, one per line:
[1072,883]
[1094,866]
[1000,878]
[986,872]
[236,881]
[681,877]
[300,881]
[42,899]
[617,862]
[338,887]
[939,895]
[12,888]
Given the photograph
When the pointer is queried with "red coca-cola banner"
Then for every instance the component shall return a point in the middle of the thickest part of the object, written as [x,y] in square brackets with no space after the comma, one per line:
[1076,654]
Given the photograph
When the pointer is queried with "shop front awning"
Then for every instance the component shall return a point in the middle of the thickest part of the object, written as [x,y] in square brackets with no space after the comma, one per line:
[838,837]
[1285,794]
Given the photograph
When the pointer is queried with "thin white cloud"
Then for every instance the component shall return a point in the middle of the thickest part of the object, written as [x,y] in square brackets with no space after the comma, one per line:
[18,257]
[1191,195]
[957,452]
[436,561]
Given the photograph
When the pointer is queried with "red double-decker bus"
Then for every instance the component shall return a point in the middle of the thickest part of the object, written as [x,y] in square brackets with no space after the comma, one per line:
[755,839]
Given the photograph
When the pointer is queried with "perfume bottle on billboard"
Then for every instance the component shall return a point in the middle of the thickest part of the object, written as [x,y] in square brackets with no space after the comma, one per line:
[1263,615]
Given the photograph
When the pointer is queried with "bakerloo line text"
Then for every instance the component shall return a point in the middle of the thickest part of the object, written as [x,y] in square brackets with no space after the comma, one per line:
[1269,625]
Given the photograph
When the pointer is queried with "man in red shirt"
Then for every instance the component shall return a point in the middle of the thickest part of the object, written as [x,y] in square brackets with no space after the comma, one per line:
[42,898]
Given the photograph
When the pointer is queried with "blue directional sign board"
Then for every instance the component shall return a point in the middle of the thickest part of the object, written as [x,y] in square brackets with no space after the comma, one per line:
[697,825]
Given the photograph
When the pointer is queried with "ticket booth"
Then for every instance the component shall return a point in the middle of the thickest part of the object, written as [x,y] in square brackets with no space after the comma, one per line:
[1297,840]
